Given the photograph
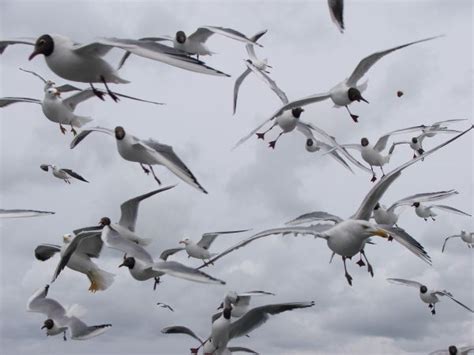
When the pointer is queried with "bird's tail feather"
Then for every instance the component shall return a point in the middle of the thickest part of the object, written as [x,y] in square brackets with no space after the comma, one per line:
[100,280]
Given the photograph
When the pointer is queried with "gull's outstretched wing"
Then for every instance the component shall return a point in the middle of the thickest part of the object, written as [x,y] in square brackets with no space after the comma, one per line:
[228,32]
[173,268]
[375,194]
[44,252]
[47,306]
[129,209]
[267,80]
[366,63]
[165,254]
[405,282]
[177,329]
[208,238]
[237,84]
[74,174]
[314,216]
[259,315]
[250,48]
[5,43]
[6,101]
[450,209]
[446,240]
[17,213]
[81,331]
[85,132]
[449,295]
[422,197]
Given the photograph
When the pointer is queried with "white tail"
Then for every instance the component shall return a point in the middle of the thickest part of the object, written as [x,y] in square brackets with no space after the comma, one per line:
[100,280]
[80,121]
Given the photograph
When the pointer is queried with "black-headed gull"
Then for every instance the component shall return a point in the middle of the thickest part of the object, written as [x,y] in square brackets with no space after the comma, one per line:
[454,350]
[60,320]
[61,173]
[348,237]
[145,152]
[239,302]
[426,212]
[466,237]
[384,215]
[347,91]
[428,295]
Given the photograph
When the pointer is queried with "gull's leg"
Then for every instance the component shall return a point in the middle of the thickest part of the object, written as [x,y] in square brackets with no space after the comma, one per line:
[433,310]
[112,95]
[97,93]
[64,336]
[374,177]
[154,175]
[383,172]
[157,281]
[272,143]
[63,130]
[147,171]
[262,135]
[73,130]
[348,277]
[360,262]
[354,117]
[433,218]
[369,266]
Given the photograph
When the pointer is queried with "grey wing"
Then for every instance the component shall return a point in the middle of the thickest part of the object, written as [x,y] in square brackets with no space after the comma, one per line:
[405,282]
[208,238]
[250,48]
[314,216]
[466,349]
[402,237]
[154,39]
[44,252]
[165,254]
[202,34]
[449,295]
[303,102]
[129,209]
[382,142]
[73,100]
[237,84]
[67,88]
[85,132]
[259,315]
[36,74]
[4,44]
[231,33]
[336,9]
[267,80]
[88,229]
[375,194]
[74,174]
[6,101]
[450,209]
[439,123]
[40,304]
[94,249]
[446,240]
[235,349]
[423,197]
[175,269]
[81,331]
[366,63]
[18,213]
[126,246]
[177,329]
[168,158]
[313,229]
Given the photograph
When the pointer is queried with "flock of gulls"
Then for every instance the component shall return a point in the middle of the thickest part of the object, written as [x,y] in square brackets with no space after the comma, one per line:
[345,237]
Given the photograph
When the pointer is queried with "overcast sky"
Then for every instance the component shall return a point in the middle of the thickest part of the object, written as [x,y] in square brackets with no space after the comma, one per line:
[251,187]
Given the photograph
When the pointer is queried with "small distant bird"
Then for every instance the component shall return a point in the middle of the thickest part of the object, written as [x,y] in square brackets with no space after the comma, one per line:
[466,237]
[454,350]
[60,320]
[347,91]
[63,174]
[164,305]
[145,152]
[400,93]
[426,212]
[427,295]
[336,10]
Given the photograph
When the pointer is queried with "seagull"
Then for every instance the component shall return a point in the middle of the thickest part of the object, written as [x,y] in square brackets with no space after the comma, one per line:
[145,152]
[373,154]
[63,174]
[206,345]
[336,10]
[200,250]
[18,213]
[383,215]
[88,241]
[80,260]
[426,212]
[259,68]
[427,295]
[454,350]
[466,237]
[59,110]
[84,62]
[223,330]
[348,237]
[240,302]
[164,305]
[59,320]
[347,91]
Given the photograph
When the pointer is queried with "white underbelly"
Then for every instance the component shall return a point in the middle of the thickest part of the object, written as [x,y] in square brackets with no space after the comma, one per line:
[286,121]
[345,246]
[428,297]
[372,157]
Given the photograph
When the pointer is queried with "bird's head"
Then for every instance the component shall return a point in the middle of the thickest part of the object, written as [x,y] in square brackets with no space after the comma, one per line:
[67,238]
[48,324]
[119,132]
[53,93]
[185,241]
[423,289]
[415,204]
[377,206]
[311,145]
[297,111]
[180,37]
[355,95]
[105,221]
[414,140]
[367,229]
[227,312]
[364,142]
[453,350]
[128,262]
[43,45]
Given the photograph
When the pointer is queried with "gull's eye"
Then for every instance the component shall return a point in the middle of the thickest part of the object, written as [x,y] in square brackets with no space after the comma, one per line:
[41,42]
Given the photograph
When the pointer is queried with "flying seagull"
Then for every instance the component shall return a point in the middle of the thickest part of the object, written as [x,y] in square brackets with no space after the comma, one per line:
[466,237]
[61,173]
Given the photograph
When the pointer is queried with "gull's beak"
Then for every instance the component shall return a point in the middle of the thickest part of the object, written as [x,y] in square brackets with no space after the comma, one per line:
[32,55]
[363,99]
[221,306]
[43,327]
[57,93]
[122,264]
[381,233]
[182,242]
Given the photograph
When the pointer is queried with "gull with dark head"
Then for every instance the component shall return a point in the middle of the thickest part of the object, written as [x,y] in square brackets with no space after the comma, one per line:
[62,173]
